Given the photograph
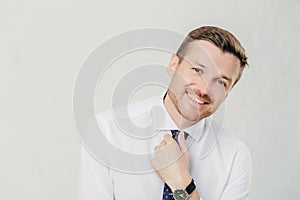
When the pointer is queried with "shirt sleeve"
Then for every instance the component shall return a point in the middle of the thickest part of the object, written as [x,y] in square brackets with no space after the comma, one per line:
[95,181]
[238,184]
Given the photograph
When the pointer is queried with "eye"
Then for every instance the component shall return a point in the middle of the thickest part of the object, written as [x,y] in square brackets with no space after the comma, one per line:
[198,70]
[221,82]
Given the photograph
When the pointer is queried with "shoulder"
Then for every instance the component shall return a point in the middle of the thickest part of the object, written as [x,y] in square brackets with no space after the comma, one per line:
[130,110]
[130,115]
[232,140]
[229,143]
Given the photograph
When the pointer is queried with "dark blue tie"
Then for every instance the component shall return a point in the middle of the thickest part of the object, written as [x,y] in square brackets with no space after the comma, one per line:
[167,193]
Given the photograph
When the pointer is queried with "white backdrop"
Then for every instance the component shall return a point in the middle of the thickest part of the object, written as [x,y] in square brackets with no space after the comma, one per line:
[43,44]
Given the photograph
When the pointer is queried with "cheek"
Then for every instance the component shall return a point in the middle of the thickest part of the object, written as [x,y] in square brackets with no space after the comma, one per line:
[218,95]
[179,80]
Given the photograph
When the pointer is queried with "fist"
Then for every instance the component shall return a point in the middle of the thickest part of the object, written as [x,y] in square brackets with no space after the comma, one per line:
[171,161]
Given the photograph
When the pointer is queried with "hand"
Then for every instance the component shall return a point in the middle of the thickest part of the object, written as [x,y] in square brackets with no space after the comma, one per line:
[171,162]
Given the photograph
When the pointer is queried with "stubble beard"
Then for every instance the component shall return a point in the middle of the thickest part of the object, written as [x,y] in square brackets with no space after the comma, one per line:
[184,111]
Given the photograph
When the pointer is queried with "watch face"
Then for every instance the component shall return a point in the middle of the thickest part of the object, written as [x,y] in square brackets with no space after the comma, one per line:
[180,194]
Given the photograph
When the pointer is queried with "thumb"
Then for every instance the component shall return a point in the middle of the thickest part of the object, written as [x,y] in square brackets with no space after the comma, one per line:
[182,142]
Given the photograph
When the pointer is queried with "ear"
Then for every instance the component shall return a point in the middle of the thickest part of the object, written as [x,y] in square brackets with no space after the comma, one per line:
[173,64]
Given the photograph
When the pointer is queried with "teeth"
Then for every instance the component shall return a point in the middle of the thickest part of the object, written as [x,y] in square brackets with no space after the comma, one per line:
[194,98]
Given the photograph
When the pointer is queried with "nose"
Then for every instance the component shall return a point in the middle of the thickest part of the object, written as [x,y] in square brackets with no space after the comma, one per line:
[203,86]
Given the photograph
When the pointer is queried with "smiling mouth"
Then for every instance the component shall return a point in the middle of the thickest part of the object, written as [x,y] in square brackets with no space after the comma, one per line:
[196,99]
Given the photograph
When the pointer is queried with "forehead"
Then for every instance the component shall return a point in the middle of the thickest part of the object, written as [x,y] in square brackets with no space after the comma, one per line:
[205,53]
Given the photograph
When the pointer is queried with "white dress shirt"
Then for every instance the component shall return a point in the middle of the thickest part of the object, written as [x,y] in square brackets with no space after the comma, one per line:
[115,162]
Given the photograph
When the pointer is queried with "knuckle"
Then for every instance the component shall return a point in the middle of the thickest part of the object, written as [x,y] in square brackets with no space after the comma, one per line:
[166,136]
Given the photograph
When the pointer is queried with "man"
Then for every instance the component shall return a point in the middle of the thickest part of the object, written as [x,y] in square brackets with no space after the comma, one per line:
[193,156]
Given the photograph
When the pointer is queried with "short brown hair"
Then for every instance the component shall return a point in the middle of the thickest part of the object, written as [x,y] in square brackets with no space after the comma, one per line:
[223,39]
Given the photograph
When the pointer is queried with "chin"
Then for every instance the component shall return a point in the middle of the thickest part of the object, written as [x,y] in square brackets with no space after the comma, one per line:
[194,116]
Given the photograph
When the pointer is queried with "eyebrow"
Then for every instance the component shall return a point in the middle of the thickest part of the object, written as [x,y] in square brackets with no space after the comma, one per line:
[228,79]
[201,64]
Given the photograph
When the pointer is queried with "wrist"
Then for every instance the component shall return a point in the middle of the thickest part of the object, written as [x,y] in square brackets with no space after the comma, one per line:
[186,193]
[180,183]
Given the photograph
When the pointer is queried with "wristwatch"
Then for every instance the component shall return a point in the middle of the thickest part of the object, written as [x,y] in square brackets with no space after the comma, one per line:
[181,194]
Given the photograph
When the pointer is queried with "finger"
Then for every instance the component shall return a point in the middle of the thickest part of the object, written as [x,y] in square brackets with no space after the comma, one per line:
[182,142]
[168,138]
[156,148]
[163,143]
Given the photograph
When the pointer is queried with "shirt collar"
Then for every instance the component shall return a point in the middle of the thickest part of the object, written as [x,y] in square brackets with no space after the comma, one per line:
[164,122]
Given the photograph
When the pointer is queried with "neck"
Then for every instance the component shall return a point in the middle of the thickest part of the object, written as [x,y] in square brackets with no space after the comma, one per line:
[179,120]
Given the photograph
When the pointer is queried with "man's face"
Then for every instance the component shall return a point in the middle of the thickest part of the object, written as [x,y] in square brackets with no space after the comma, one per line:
[202,81]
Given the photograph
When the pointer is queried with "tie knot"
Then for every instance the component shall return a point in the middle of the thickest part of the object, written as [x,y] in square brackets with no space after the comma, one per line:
[175,134]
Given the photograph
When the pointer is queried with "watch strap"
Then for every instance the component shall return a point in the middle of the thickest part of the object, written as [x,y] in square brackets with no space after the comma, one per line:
[191,187]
